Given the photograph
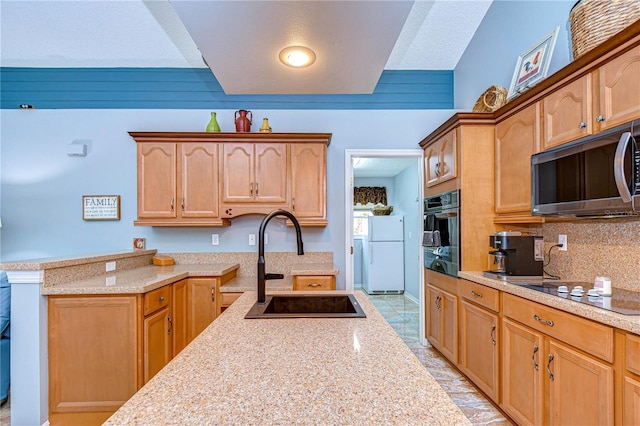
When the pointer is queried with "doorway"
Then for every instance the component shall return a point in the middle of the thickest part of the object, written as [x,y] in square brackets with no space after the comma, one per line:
[400,172]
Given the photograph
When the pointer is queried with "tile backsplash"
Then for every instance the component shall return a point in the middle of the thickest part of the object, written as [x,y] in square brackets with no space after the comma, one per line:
[607,247]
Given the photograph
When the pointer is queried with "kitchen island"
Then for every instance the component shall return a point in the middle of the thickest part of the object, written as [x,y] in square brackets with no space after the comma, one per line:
[292,371]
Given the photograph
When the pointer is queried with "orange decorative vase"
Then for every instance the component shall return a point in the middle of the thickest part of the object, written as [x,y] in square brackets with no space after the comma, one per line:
[243,121]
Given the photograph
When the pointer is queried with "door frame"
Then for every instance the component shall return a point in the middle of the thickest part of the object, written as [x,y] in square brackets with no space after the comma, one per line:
[349,155]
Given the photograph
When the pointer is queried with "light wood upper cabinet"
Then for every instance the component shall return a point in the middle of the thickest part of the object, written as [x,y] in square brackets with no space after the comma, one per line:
[157,189]
[517,138]
[309,180]
[254,173]
[440,159]
[605,98]
[619,90]
[205,179]
[198,180]
[178,183]
[567,113]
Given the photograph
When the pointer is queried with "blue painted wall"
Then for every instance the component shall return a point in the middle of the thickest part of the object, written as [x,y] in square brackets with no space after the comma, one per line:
[42,187]
[177,88]
[508,29]
[409,205]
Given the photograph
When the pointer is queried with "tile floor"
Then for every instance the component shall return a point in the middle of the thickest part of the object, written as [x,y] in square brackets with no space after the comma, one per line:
[404,316]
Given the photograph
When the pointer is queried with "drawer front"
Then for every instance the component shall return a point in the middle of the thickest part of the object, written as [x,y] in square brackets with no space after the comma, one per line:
[480,294]
[226,299]
[633,353]
[156,299]
[316,282]
[591,337]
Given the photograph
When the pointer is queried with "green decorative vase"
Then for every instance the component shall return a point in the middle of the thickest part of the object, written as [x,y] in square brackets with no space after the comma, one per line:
[213,124]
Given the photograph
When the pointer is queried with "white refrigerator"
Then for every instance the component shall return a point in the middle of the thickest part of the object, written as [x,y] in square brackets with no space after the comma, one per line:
[383,255]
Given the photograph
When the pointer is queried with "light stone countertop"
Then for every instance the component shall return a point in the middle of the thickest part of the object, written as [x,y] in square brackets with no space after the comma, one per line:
[292,371]
[138,280]
[68,261]
[625,322]
[314,269]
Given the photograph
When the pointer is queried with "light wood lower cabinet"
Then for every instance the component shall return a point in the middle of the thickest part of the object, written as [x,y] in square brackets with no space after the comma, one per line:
[102,349]
[314,282]
[631,403]
[579,388]
[95,356]
[522,373]
[442,314]
[479,348]
[202,304]
[226,299]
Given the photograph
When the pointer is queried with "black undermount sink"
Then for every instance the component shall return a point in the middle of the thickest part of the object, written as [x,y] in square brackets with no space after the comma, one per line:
[307,306]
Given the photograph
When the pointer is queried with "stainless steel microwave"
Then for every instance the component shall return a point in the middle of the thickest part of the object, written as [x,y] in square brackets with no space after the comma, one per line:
[598,175]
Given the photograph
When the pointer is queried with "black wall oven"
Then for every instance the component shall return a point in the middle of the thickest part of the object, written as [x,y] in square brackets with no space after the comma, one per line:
[441,237]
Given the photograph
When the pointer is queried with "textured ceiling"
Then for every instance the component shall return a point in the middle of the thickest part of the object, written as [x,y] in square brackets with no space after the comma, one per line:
[135,33]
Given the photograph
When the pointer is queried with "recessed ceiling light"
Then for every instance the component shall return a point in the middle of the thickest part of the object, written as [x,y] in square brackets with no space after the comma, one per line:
[297,56]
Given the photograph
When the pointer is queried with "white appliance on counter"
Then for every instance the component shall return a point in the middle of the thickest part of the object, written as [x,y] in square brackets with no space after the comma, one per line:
[383,255]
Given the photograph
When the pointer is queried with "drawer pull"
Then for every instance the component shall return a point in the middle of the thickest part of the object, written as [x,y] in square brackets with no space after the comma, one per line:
[171,203]
[478,295]
[549,367]
[493,334]
[438,299]
[600,118]
[213,294]
[548,322]
[533,358]
[314,285]
[161,298]
[170,325]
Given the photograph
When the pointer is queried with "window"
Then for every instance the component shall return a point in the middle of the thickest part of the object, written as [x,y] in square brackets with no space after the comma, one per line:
[361,222]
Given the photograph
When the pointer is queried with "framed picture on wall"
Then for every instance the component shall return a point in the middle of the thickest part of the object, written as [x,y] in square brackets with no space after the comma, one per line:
[533,64]
[101,207]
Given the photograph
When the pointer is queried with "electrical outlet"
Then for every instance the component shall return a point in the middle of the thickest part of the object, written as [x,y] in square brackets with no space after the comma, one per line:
[252,239]
[562,239]
[111,266]
[215,240]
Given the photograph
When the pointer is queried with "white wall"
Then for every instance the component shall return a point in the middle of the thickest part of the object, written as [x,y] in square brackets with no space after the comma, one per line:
[508,29]
[42,187]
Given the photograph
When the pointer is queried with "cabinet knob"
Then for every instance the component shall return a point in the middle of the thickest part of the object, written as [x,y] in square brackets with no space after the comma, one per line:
[251,189]
[600,118]
[182,204]
[257,189]
[161,298]
[582,125]
[172,203]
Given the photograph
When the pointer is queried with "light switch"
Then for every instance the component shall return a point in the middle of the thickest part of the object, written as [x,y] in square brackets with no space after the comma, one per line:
[215,240]
[252,239]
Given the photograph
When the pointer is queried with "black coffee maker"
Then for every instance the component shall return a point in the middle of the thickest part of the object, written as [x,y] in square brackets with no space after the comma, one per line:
[516,255]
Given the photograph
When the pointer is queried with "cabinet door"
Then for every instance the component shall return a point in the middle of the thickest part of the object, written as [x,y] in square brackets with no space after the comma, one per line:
[431,160]
[157,180]
[237,172]
[517,138]
[434,317]
[198,180]
[93,356]
[440,159]
[202,306]
[580,388]
[523,371]
[180,309]
[567,113]
[479,355]
[449,309]
[446,168]
[270,181]
[631,402]
[157,342]
[309,180]
[620,90]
